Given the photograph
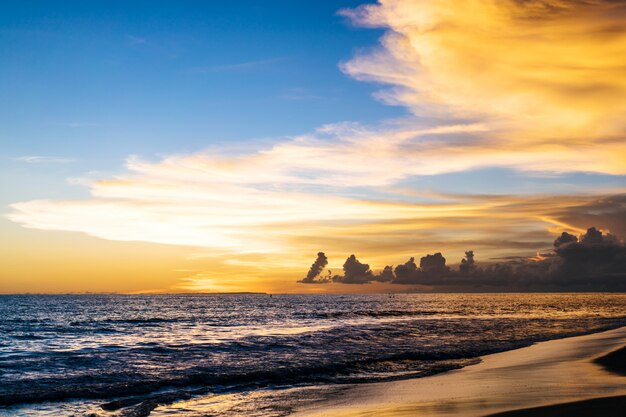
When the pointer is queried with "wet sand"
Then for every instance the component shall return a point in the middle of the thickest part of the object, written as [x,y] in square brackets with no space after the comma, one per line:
[614,362]
[600,407]
[554,372]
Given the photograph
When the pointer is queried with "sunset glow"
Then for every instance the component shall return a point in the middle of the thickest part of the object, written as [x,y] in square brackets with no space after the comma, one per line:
[513,133]
[312,208]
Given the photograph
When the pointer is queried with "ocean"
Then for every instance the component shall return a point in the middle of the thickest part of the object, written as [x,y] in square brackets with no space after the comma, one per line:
[256,354]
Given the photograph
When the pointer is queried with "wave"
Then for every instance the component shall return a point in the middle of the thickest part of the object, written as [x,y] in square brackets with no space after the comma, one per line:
[111,348]
[372,314]
[414,365]
[97,384]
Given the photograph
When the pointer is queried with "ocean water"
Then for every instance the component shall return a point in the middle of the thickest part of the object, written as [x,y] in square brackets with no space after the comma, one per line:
[255,354]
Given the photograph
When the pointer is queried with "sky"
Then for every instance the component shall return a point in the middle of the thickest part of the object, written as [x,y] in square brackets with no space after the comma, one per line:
[219,146]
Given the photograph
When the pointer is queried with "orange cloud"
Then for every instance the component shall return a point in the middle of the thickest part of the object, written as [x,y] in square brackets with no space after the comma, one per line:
[525,85]
[545,76]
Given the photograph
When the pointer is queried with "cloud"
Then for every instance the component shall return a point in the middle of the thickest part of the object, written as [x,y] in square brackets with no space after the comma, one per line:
[299,94]
[543,76]
[531,86]
[565,239]
[595,261]
[608,213]
[77,125]
[595,256]
[33,159]
[386,275]
[430,267]
[434,265]
[136,40]
[239,66]
[316,269]
[468,264]
[287,201]
[406,273]
[355,272]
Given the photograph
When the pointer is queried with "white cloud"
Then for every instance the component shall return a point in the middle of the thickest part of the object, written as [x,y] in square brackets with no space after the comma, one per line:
[238,66]
[33,159]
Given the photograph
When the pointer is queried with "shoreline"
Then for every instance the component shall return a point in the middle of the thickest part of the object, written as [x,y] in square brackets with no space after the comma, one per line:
[604,406]
[613,362]
[596,358]
[543,379]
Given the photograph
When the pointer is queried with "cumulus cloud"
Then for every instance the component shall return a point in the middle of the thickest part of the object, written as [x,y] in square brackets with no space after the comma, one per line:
[594,261]
[407,273]
[434,265]
[316,269]
[565,239]
[430,267]
[597,256]
[386,275]
[468,265]
[354,272]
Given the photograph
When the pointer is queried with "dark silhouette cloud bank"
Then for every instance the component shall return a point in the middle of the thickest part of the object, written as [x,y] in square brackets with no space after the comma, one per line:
[592,261]
[313,276]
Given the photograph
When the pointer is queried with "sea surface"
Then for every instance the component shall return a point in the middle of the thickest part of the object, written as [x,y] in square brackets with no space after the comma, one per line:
[256,354]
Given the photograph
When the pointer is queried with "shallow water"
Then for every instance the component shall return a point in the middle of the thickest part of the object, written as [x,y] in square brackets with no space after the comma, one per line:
[240,354]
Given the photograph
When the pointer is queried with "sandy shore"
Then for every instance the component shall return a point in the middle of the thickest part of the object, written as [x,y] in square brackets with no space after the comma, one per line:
[553,372]
[600,407]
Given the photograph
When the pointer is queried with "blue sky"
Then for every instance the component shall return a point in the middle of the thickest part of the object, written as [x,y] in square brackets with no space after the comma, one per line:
[91,83]
[98,81]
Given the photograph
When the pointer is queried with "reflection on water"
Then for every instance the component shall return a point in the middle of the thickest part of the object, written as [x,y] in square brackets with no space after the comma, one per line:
[237,350]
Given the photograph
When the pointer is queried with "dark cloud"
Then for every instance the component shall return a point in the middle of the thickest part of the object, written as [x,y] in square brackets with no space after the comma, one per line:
[355,272]
[468,265]
[592,237]
[434,265]
[592,262]
[386,275]
[607,213]
[595,261]
[564,239]
[315,271]
[431,267]
[408,273]
[594,258]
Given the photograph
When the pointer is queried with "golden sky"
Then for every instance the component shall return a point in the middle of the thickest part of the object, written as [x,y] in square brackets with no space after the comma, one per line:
[534,87]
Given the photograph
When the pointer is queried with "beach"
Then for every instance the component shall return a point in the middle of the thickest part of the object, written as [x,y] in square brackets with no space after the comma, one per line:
[544,379]
[189,355]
